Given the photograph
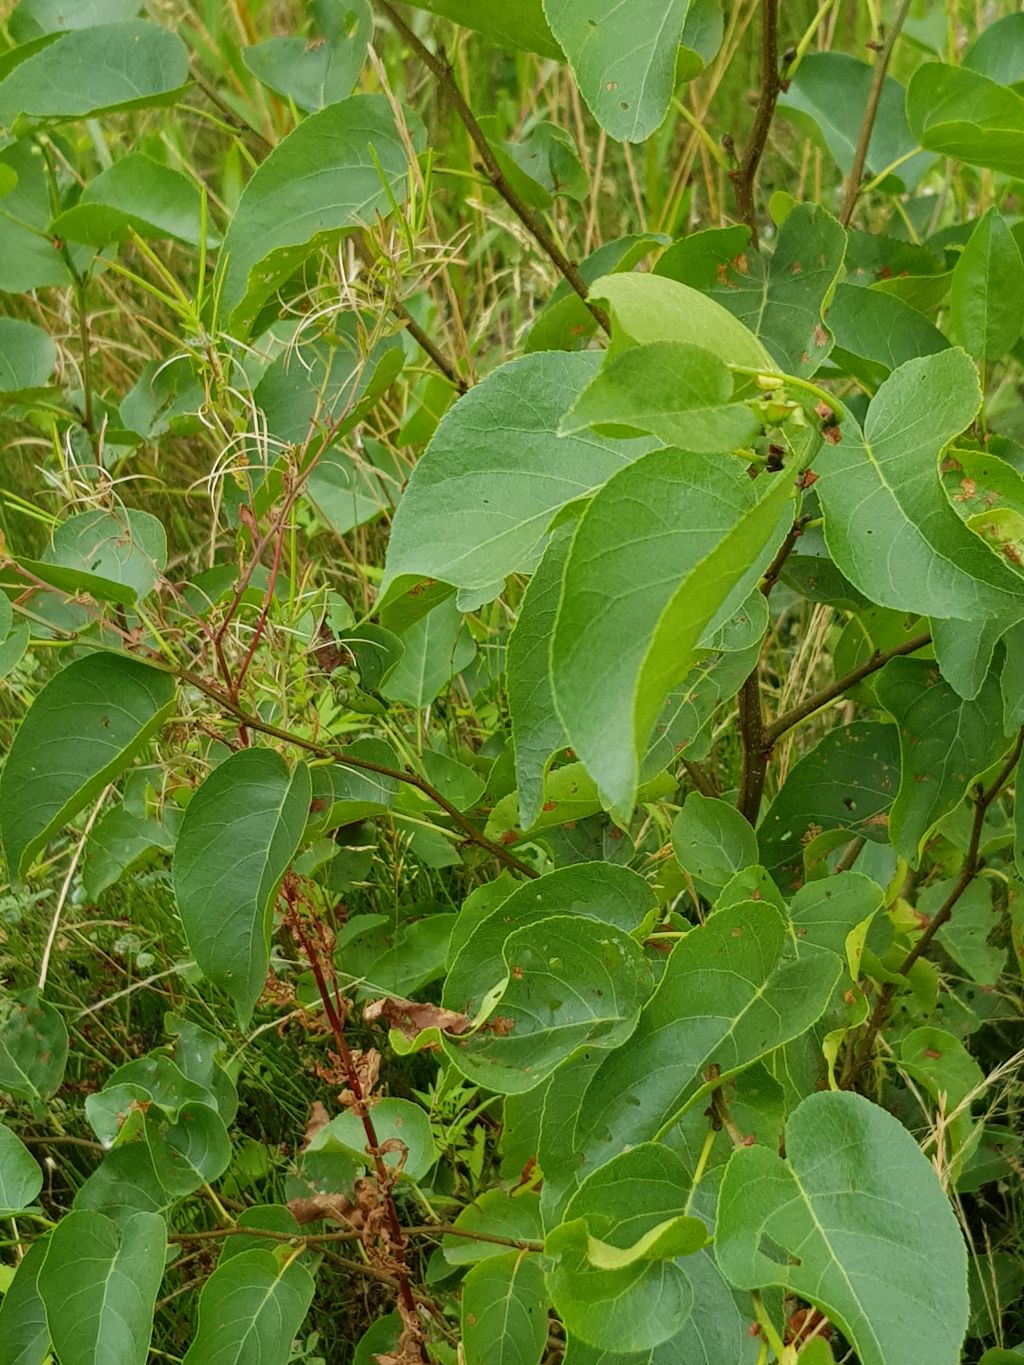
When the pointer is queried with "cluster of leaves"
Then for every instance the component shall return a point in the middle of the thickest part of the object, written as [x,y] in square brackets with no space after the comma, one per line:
[630,832]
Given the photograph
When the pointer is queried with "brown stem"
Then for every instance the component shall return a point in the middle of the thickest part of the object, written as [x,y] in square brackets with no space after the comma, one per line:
[700,778]
[533,223]
[744,178]
[261,623]
[851,191]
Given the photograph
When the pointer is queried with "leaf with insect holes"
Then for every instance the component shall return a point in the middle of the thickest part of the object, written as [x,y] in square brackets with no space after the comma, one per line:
[81,732]
[829,1225]
[239,834]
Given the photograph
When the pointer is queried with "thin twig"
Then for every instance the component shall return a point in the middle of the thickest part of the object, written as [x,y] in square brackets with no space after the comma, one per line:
[744,178]
[65,889]
[851,191]
[533,223]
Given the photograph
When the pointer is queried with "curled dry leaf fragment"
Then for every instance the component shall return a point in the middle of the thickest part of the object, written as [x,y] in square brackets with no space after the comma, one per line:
[411,1017]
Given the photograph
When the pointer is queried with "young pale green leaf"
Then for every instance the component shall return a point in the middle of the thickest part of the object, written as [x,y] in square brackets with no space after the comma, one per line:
[942,1065]
[496,473]
[828,1224]
[733,990]
[676,391]
[568,982]
[847,781]
[33,1047]
[99,1283]
[24,1337]
[34,18]
[616,1278]
[781,298]
[320,69]
[664,547]
[396,1119]
[963,114]
[505,1311]
[238,837]
[20,1176]
[712,841]
[27,358]
[945,742]
[251,1309]
[624,59]
[887,523]
[288,210]
[987,295]
[91,71]
[81,732]
[135,194]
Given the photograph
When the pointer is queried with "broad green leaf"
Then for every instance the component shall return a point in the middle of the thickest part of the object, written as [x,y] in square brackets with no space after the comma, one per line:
[118,842]
[964,651]
[732,991]
[113,556]
[343,795]
[505,1311]
[320,69]
[166,394]
[963,114]
[491,481]
[998,50]
[827,1224]
[537,729]
[517,23]
[678,392]
[610,896]
[27,357]
[847,781]
[99,1283]
[401,1120]
[781,298]
[436,648]
[33,1047]
[635,1205]
[966,936]
[238,837]
[20,1176]
[945,742]
[987,295]
[827,99]
[712,841]
[91,71]
[287,210]
[539,164]
[82,730]
[499,1214]
[623,59]
[875,333]
[269,1218]
[135,194]
[29,259]
[568,982]
[251,1309]
[836,913]
[570,795]
[658,553]
[942,1065]
[33,18]
[887,523]
[24,1337]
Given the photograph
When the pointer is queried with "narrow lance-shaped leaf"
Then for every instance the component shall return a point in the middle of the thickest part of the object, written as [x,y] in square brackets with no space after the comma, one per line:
[830,1224]
[81,732]
[238,837]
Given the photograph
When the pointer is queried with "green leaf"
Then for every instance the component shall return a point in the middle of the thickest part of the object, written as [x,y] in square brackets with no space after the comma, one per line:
[485,492]
[827,99]
[436,648]
[517,23]
[29,259]
[135,194]
[240,832]
[20,1176]
[99,1283]
[781,298]
[320,69]
[987,295]
[118,842]
[91,71]
[666,545]
[676,391]
[623,59]
[251,1309]
[875,333]
[24,1337]
[945,742]
[286,211]
[966,936]
[27,357]
[733,990]
[568,982]
[81,732]
[998,50]
[963,114]
[951,1076]
[505,1311]
[33,1047]
[712,841]
[836,913]
[113,556]
[33,18]
[617,1277]
[887,524]
[827,1224]
[399,1120]
[498,1214]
